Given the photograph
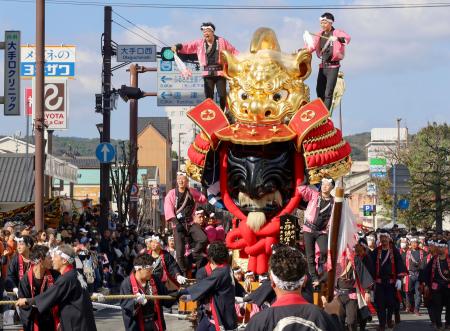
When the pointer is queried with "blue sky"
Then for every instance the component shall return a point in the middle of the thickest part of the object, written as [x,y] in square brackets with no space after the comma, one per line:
[397,64]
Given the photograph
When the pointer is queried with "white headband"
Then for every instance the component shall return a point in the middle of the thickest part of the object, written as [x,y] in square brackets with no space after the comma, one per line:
[237,270]
[63,255]
[181,173]
[198,212]
[207,27]
[325,19]
[139,267]
[285,285]
[155,238]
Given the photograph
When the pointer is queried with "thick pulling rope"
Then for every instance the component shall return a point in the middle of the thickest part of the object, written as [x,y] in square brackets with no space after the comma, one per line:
[108,297]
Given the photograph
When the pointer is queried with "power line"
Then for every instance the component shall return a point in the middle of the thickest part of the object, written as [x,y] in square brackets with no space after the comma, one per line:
[241,7]
[133,32]
[141,29]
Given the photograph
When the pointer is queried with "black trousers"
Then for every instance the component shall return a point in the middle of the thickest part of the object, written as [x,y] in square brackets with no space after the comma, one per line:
[310,239]
[221,85]
[385,301]
[439,299]
[351,312]
[181,238]
[326,82]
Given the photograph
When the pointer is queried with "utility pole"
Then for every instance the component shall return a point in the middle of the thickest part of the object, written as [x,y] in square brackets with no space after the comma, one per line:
[106,135]
[48,179]
[39,118]
[133,169]
[179,149]
[134,70]
[394,176]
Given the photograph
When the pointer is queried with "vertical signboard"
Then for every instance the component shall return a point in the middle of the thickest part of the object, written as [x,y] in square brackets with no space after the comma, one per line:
[12,73]
[55,103]
[28,102]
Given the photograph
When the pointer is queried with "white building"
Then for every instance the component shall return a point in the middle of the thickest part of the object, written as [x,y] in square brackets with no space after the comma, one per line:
[183,129]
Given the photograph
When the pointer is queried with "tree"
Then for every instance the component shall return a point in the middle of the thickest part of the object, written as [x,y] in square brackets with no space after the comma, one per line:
[120,180]
[427,158]
[428,161]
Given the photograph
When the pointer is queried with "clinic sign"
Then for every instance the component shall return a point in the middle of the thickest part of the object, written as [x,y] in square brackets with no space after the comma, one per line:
[59,61]
[55,104]
[12,73]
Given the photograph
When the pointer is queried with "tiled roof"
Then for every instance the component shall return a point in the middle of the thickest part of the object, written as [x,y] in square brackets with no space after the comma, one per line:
[161,124]
[16,178]
[83,162]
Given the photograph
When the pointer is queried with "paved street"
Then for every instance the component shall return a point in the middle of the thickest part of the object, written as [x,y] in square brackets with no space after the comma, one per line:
[108,320]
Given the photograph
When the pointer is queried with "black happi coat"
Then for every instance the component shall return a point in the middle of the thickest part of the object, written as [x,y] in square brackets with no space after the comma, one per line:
[73,301]
[130,309]
[265,293]
[29,314]
[13,278]
[292,312]
[218,288]
[171,266]
[386,272]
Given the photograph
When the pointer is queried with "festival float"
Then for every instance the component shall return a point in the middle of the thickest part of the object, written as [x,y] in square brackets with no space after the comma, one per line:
[271,139]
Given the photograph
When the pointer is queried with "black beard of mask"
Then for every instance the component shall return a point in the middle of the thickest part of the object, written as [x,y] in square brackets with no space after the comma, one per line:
[260,178]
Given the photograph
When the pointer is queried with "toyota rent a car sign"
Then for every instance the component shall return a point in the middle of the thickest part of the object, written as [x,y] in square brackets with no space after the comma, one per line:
[55,104]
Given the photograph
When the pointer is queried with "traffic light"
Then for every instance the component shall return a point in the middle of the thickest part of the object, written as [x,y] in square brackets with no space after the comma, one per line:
[167,54]
[98,103]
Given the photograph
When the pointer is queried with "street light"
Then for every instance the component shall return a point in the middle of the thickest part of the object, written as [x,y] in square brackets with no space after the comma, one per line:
[100,130]
[99,127]
[179,148]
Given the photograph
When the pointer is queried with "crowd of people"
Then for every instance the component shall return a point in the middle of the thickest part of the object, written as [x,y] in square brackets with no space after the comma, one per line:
[387,272]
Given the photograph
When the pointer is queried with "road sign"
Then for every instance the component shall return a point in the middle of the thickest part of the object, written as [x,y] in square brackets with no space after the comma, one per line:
[12,73]
[402,177]
[134,193]
[59,61]
[105,152]
[136,53]
[367,210]
[155,193]
[371,188]
[55,103]
[174,90]
[403,204]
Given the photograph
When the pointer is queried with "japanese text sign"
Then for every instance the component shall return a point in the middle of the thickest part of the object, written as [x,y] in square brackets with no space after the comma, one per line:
[136,53]
[12,73]
[59,61]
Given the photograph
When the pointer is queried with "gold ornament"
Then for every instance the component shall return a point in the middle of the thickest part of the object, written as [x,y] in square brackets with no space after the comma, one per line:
[266,85]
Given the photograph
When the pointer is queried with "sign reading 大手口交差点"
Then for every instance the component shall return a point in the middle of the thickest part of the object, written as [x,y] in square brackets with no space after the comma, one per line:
[136,53]
[59,61]
[12,73]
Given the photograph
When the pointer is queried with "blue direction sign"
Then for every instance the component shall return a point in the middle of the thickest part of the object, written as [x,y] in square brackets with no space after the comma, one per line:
[105,152]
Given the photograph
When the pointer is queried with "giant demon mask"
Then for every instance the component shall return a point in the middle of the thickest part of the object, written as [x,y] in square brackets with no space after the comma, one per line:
[256,157]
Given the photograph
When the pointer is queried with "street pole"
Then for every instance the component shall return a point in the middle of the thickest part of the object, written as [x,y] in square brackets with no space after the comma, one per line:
[105,138]
[394,176]
[48,179]
[133,142]
[179,149]
[39,118]
[134,70]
